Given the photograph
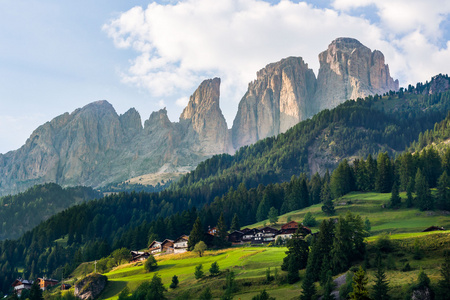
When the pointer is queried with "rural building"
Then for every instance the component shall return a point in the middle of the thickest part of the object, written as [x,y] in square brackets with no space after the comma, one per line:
[180,245]
[235,237]
[167,246]
[285,234]
[290,225]
[155,247]
[21,284]
[212,231]
[65,286]
[433,228]
[44,283]
[139,256]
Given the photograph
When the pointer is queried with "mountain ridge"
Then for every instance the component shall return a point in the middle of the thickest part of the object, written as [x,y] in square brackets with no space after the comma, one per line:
[95,146]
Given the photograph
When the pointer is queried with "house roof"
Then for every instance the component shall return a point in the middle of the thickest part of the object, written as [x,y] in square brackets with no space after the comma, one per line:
[268,229]
[20,281]
[289,224]
[236,232]
[166,241]
[182,238]
[48,279]
[153,244]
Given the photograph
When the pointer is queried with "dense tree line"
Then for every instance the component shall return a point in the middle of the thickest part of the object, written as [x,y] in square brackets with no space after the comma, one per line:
[22,212]
[413,173]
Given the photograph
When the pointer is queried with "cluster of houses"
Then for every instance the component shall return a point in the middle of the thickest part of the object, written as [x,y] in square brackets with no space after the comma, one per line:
[266,234]
[253,236]
[20,284]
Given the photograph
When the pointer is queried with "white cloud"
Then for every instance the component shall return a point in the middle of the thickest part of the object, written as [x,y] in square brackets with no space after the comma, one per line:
[182,102]
[178,45]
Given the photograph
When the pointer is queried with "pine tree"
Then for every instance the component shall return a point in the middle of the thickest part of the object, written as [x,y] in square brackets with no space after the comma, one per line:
[263,208]
[36,292]
[206,294]
[409,191]
[328,287]
[199,272]
[443,192]
[308,286]
[157,289]
[175,282]
[395,200]
[273,215]
[220,239]
[235,223]
[292,269]
[381,287]
[197,234]
[444,283]
[359,286]
[214,270]
[385,174]
[423,195]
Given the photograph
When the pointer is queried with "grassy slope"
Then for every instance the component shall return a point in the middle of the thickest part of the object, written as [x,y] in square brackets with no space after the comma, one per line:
[250,263]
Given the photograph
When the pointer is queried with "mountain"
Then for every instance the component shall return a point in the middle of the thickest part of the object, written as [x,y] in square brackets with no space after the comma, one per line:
[288,92]
[94,146]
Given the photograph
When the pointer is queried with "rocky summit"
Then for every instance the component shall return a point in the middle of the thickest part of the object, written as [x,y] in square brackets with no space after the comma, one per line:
[350,70]
[95,146]
[288,92]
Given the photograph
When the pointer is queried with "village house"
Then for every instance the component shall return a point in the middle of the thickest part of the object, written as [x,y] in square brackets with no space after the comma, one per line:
[235,237]
[44,283]
[180,245]
[212,231]
[65,286]
[167,246]
[249,235]
[154,247]
[266,235]
[290,225]
[139,256]
[21,284]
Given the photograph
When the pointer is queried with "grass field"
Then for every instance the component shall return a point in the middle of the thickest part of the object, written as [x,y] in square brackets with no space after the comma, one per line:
[403,226]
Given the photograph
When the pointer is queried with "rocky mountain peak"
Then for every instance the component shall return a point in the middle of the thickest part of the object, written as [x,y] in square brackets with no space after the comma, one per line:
[277,100]
[204,121]
[438,84]
[350,70]
[204,99]
[131,122]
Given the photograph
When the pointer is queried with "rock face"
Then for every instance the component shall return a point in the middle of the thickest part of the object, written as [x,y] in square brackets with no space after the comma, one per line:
[438,84]
[287,92]
[349,70]
[94,146]
[90,287]
[204,120]
[277,100]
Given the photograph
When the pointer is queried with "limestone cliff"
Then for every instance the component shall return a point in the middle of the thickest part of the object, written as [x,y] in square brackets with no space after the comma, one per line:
[349,70]
[277,100]
[204,121]
[94,146]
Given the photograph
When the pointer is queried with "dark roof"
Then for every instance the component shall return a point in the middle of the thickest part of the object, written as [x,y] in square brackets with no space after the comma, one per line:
[433,228]
[183,237]
[154,242]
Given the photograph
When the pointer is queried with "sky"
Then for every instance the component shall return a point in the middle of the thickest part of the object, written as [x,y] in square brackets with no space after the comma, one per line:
[56,56]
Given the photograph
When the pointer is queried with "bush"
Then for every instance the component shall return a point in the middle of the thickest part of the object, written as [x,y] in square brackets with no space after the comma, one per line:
[175,281]
[150,264]
[406,268]
[384,243]
[309,220]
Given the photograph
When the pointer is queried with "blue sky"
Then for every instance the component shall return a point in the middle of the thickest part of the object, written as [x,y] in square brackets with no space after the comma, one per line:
[56,56]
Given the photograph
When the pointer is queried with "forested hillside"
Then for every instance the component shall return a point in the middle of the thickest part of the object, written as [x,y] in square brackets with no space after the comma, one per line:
[247,185]
[353,129]
[22,212]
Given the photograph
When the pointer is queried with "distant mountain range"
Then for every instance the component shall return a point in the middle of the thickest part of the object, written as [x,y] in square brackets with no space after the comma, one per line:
[95,146]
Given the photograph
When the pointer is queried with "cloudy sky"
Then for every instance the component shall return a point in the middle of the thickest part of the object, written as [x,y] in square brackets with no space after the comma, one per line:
[56,56]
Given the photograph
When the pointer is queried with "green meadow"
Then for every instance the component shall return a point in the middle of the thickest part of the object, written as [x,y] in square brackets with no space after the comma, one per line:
[404,227]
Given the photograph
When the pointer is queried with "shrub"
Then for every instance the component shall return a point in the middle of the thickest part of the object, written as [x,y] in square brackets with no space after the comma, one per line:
[175,281]
[214,270]
[150,264]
